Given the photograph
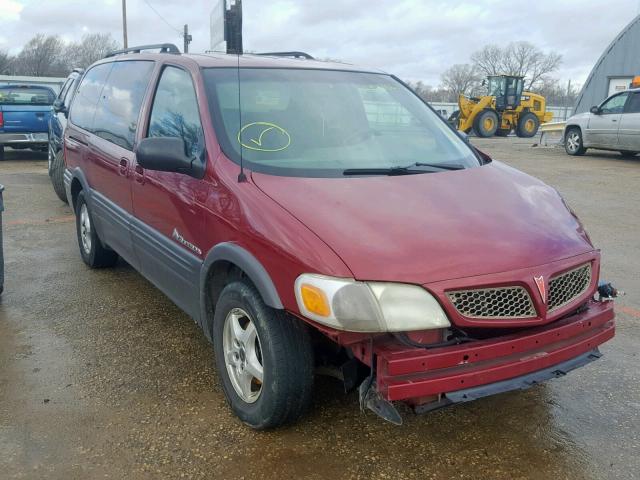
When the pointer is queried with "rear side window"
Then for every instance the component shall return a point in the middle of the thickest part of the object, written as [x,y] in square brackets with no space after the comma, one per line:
[633,106]
[88,94]
[175,111]
[116,118]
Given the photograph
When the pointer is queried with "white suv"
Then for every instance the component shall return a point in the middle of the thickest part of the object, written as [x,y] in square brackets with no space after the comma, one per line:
[614,125]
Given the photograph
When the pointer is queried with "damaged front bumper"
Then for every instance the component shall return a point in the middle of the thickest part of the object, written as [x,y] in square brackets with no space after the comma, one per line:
[432,378]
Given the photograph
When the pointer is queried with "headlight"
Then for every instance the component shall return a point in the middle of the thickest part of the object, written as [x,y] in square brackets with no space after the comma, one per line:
[346,304]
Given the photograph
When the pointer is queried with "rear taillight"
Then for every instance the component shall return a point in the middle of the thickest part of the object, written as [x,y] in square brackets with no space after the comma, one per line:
[1,120]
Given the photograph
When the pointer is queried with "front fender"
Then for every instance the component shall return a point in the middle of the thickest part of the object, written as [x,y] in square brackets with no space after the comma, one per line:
[249,264]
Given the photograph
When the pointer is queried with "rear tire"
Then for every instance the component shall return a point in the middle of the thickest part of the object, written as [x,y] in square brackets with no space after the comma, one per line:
[528,125]
[93,252]
[628,154]
[573,142]
[56,173]
[265,343]
[485,124]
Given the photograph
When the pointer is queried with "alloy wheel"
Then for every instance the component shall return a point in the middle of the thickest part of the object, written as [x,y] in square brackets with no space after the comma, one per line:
[85,229]
[573,142]
[243,355]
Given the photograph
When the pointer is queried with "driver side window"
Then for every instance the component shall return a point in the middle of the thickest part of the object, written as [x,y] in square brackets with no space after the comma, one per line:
[614,104]
[175,111]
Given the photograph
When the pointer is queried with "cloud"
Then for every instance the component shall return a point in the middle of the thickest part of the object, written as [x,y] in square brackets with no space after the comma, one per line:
[414,39]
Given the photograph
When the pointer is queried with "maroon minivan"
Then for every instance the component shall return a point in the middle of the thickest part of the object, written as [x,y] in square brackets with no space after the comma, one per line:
[320,217]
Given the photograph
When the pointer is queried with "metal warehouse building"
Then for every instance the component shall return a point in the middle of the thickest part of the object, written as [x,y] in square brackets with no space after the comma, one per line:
[615,69]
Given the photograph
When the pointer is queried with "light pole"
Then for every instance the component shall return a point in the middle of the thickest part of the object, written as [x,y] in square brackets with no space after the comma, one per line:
[124,23]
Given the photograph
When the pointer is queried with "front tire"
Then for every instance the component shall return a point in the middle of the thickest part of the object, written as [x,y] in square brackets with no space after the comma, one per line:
[56,173]
[573,142]
[528,125]
[264,358]
[93,252]
[486,123]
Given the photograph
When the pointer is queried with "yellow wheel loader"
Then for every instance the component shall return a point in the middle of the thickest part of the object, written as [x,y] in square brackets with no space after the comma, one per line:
[505,108]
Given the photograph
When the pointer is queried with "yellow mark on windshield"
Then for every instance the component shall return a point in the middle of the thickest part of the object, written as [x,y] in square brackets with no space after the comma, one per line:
[258,133]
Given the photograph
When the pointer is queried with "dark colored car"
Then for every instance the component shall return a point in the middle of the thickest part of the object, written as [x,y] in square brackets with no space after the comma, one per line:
[309,214]
[57,124]
[24,116]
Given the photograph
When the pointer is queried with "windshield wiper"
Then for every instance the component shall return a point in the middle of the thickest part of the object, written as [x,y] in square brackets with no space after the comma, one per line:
[442,166]
[402,170]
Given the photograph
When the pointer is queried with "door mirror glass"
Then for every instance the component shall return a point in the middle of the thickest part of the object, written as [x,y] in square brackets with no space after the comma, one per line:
[167,154]
[595,110]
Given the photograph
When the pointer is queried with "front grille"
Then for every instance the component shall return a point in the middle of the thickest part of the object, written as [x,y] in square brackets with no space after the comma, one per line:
[502,302]
[565,288]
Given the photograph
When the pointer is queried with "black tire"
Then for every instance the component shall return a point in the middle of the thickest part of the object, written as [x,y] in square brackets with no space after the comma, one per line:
[93,253]
[1,152]
[503,132]
[528,125]
[56,173]
[628,153]
[573,142]
[486,123]
[286,356]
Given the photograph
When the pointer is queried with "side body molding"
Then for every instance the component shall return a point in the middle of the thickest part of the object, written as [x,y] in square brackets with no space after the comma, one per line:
[250,265]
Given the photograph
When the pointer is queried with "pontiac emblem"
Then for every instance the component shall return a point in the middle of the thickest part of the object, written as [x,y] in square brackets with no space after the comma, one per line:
[541,287]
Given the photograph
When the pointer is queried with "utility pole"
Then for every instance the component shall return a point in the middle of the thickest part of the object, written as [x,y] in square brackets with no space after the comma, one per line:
[187,39]
[124,23]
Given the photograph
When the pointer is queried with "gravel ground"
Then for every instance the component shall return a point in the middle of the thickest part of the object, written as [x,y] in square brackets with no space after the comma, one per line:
[101,376]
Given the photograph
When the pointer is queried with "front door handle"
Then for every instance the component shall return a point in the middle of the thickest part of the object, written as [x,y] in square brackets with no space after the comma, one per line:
[124,164]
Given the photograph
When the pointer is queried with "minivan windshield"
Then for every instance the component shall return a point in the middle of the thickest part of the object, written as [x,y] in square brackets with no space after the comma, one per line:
[323,123]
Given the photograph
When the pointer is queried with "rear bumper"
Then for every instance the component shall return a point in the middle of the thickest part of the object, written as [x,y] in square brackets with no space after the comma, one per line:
[39,138]
[417,375]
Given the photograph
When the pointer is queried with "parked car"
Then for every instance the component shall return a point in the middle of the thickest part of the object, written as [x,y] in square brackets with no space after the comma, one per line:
[332,218]
[24,117]
[613,125]
[57,124]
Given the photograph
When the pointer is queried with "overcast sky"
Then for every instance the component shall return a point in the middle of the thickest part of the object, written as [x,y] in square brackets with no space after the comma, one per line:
[415,39]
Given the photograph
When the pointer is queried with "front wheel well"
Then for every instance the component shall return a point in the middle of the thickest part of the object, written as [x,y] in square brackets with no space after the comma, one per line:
[220,274]
[571,127]
[76,188]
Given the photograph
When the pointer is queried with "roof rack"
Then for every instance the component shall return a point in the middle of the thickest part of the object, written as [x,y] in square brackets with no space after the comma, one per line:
[164,48]
[287,54]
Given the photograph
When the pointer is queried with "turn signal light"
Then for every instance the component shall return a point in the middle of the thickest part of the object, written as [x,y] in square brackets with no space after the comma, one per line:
[1,120]
[315,300]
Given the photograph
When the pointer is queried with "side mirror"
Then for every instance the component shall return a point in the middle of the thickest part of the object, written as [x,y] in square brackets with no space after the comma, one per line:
[167,154]
[58,106]
[595,110]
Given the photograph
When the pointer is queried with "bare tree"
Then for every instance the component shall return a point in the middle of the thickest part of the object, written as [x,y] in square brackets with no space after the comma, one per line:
[460,79]
[41,56]
[489,60]
[560,94]
[517,58]
[6,63]
[91,48]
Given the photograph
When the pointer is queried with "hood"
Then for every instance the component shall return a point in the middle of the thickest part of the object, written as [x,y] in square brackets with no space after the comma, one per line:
[433,226]
[579,116]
